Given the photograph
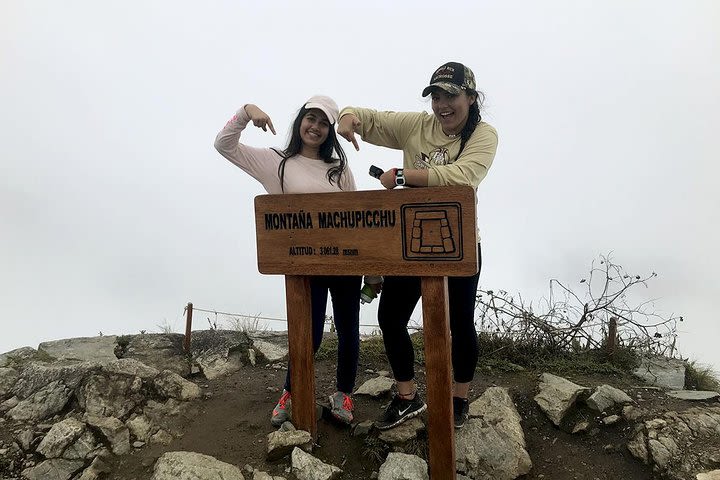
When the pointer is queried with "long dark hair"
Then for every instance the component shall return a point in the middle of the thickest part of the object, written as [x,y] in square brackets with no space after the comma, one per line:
[330,144]
[473,119]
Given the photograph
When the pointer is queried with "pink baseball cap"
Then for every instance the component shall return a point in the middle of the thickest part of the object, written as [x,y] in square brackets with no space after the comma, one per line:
[326,104]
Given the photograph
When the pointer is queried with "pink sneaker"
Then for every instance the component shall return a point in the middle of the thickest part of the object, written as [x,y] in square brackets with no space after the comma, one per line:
[341,407]
[282,411]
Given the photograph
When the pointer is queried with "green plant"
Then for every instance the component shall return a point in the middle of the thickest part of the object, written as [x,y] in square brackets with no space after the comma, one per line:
[701,377]
[375,449]
[247,325]
[165,327]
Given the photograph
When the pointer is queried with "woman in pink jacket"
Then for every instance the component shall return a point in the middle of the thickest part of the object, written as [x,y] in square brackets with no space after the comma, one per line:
[312,162]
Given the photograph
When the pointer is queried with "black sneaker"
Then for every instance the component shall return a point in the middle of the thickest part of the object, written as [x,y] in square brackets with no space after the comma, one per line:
[400,410]
[461,407]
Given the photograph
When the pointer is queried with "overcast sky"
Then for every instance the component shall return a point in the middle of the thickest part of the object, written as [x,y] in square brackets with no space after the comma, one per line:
[115,209]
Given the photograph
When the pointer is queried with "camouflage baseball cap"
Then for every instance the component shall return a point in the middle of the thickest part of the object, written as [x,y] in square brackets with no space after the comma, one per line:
[453,77]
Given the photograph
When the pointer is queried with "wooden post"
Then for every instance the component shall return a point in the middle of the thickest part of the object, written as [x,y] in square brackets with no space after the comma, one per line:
[612,336]
[188,327]
[300,342]
[436,331]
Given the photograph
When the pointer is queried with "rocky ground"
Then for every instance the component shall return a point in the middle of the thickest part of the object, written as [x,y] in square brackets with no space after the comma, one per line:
[162,404]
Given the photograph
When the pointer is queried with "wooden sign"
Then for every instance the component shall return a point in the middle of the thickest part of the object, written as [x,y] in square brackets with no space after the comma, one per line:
[379,232]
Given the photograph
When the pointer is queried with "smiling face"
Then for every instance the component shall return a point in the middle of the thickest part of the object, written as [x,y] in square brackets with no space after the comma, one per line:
[451,110]
[314,130]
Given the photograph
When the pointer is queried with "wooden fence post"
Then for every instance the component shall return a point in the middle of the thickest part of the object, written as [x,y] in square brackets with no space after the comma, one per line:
[612,337]
[188,327]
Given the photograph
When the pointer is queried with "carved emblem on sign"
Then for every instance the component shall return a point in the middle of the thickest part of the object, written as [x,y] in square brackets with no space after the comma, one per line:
[432,231]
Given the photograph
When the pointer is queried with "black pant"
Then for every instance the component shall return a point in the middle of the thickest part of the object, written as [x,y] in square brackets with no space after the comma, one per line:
[397,302]
[345,297]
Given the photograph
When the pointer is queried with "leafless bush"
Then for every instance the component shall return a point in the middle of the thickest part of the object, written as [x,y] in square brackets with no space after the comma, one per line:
[578,319]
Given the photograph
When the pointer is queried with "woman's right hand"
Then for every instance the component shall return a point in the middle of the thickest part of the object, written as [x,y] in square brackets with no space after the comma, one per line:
[259,118]
[347,126]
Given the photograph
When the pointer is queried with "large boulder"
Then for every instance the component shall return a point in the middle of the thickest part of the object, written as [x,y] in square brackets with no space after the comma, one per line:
[84,349]
[163,351]
[492,443]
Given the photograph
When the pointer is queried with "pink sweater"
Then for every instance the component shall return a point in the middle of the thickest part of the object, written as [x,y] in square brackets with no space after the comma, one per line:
[302,174]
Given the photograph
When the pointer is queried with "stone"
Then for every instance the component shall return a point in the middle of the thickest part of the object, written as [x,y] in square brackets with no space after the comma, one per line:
[714,475]
[69,439]
[8,377]
[404,432]
[400,466]
[42,404]
[110,395]
[307,467]
[605,397]
[492,443]
[54,469]
[557,395]
[282,443]
[193,466]
[85,349]
[114,431]
[140,427]
[662,372]
[693,395]
[376,387]
[163,351]
[170,384]
[611,419]
[15,358]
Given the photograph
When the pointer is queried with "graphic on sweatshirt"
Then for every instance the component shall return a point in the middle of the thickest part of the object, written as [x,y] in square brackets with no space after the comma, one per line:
[438,156]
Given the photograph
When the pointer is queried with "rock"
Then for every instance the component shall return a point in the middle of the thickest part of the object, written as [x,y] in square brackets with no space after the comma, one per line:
[307,467]
[132,368]
[193,466]
[170,384]
[43,403]
[37,376]
[714,475]
[581,427]
[140,427]
[400,466]
[638,447]
[272,346]
[631,413]
[404,432]
[9,404]
[362,429]
[557,395]
[163,351]
[8,377]
[95,471]
[110,395]
[492,443]
[161,437]
[606,397]
[693,395]
[611,420]
[220,352]
[282,443]
[24,439]
[114,431]
[69,439]
[662,372]
[85,349]
[15,358]
[376,387]
[54,469]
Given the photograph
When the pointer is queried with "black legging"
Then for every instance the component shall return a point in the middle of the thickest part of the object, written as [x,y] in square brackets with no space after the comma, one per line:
[397,302]
[345,297]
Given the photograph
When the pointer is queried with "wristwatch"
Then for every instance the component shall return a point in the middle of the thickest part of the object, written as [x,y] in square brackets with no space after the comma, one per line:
[399,177]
